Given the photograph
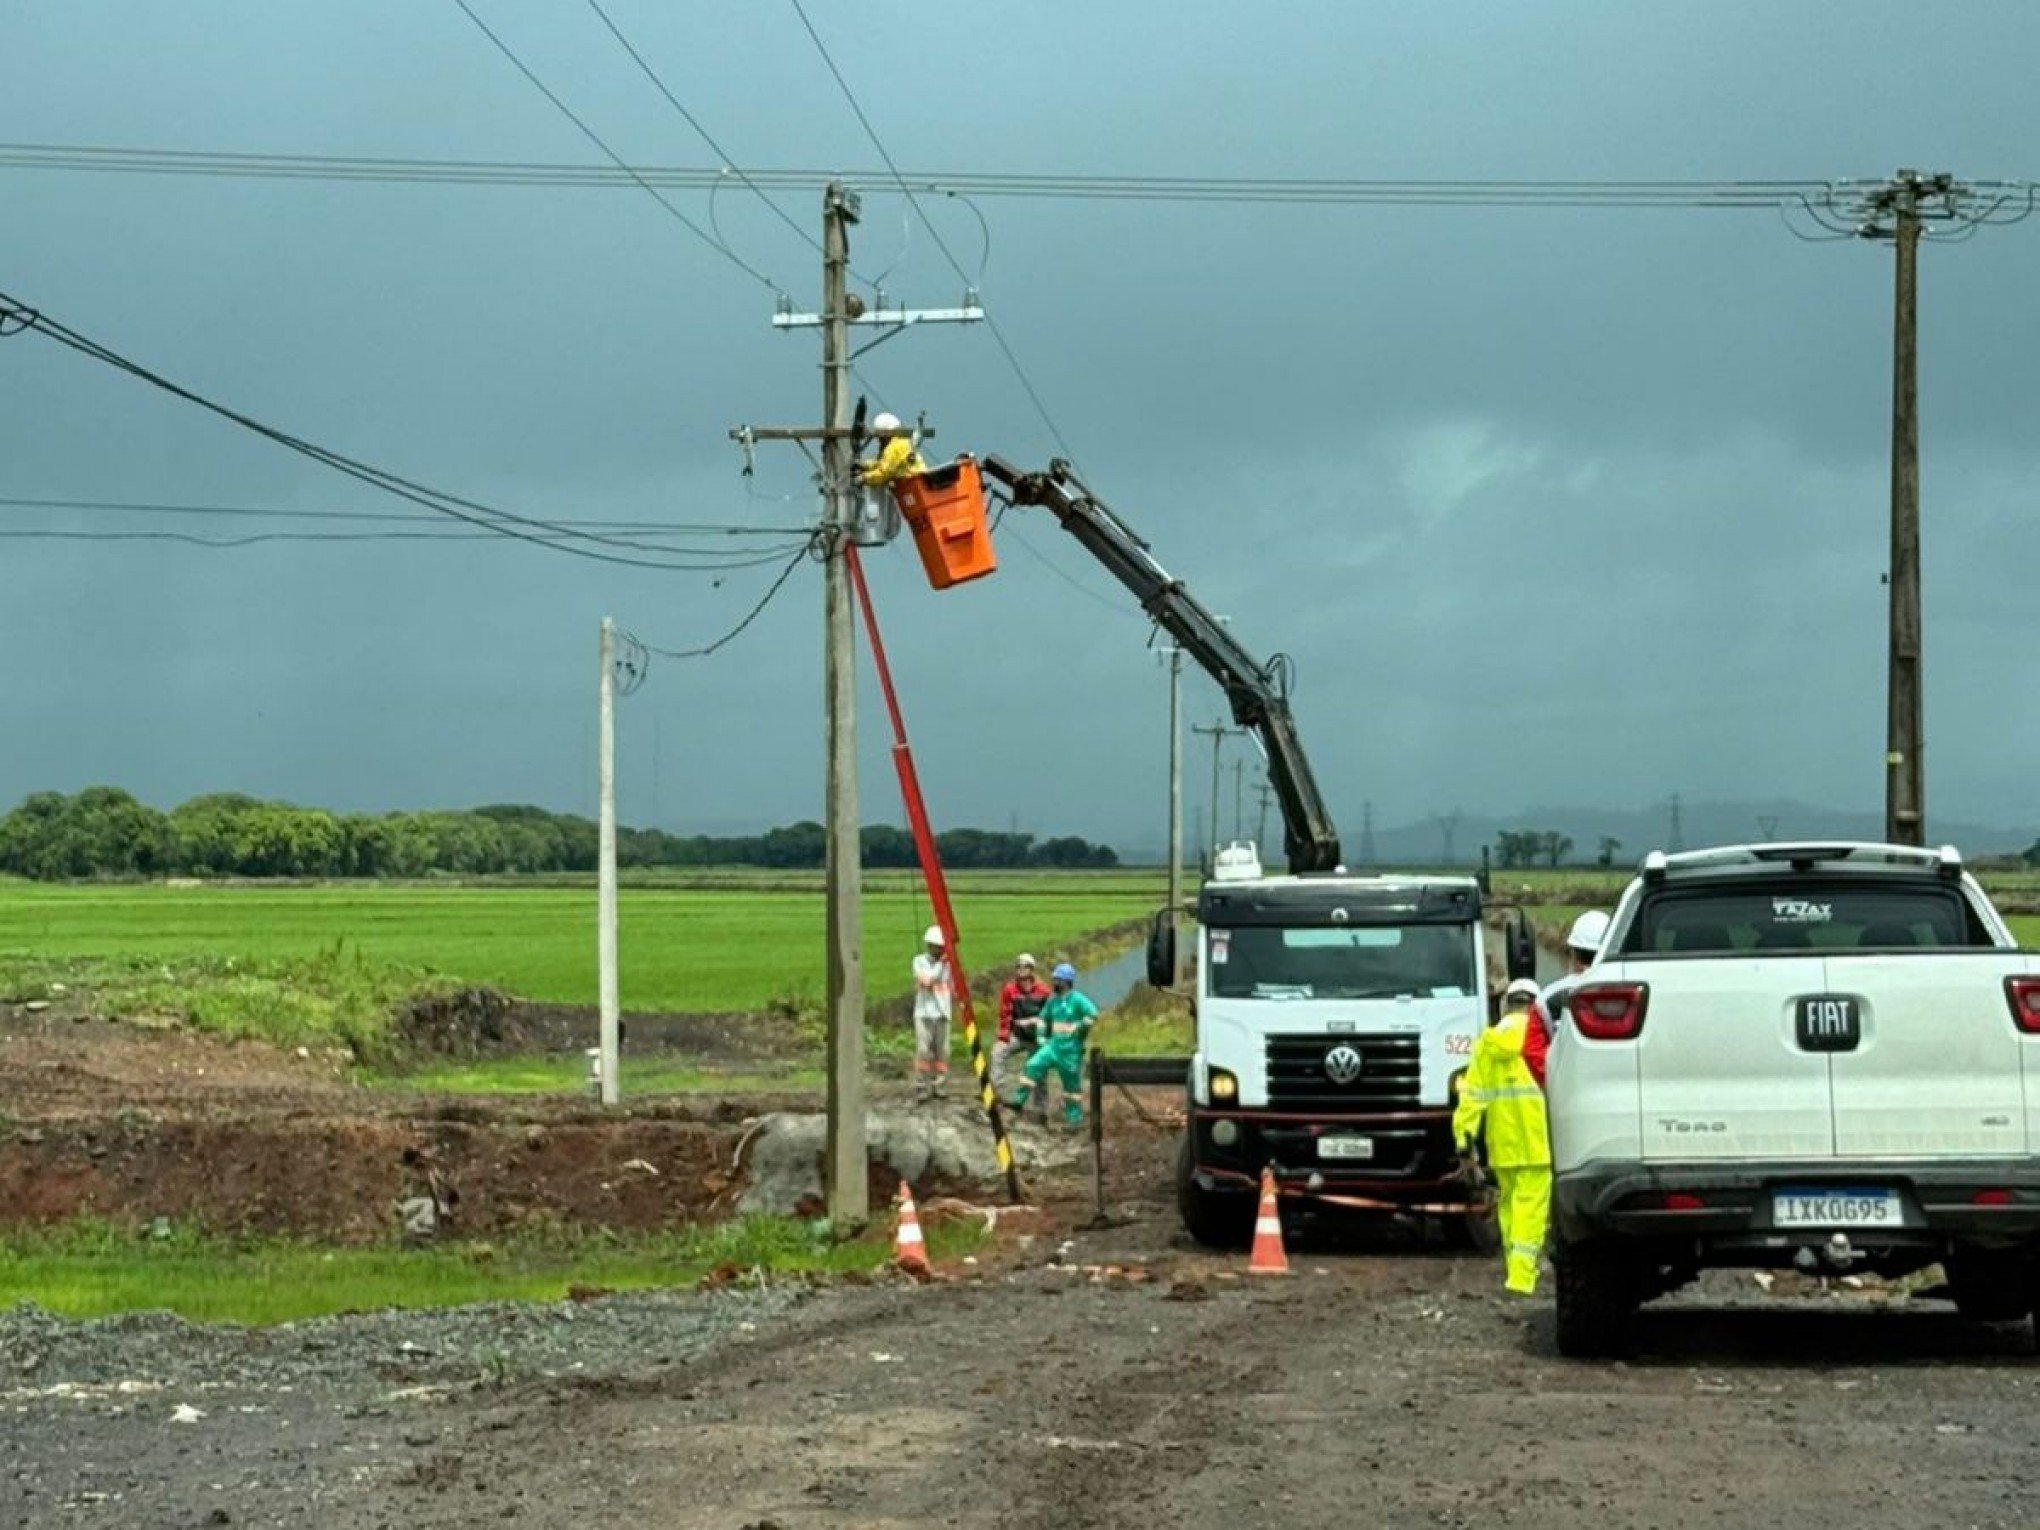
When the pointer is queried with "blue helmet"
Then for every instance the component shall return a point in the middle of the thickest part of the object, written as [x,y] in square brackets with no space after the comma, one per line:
[1064,973]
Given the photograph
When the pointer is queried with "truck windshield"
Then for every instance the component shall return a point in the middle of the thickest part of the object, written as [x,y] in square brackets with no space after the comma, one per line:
[1803,916]
[1374,962]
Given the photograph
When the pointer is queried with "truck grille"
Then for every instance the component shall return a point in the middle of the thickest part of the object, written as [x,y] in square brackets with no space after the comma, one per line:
[1391,1073]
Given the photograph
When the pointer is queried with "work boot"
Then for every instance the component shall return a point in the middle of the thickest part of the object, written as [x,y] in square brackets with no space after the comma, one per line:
[1073,1116]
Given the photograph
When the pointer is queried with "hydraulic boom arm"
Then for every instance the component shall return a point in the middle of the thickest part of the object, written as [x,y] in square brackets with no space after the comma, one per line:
[1256,691]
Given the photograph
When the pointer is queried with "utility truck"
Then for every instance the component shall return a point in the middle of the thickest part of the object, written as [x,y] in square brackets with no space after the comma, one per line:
[1814,1056]
[1335,1011]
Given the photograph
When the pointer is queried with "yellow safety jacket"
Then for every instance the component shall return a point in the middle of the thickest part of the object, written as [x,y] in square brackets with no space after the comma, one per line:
[1499,1096]
[896,460]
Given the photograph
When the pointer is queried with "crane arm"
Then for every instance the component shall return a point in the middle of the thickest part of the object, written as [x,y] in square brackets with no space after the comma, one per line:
[1255,691]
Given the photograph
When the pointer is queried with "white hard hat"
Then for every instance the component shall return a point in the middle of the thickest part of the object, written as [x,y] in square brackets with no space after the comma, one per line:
[1521,988]
[1024,959]
[1588,931]
[883,421]
[934,936]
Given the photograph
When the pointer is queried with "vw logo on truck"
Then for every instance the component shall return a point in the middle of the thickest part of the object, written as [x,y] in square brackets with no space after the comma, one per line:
[1342,1064]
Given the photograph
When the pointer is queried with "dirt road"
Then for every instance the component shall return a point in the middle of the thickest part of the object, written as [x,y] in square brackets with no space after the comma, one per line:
[1387,1386]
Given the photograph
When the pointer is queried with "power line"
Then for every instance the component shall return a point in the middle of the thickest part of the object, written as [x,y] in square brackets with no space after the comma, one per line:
[194,539]
[750,616]
[17,317]
[991,319]
[1475,192]
[156,507]
[601,143]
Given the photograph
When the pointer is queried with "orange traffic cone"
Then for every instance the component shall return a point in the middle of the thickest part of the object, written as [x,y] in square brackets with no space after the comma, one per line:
[1268,1256]
[909,1252]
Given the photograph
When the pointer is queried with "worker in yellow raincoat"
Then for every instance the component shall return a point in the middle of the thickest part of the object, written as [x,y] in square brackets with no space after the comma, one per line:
[1501,1104]
[895,460]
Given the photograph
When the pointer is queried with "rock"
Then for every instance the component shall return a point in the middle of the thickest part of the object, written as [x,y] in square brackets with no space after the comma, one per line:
[420,1216]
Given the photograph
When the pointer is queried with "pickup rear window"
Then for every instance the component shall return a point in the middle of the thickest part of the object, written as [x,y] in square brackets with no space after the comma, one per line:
[1803,915]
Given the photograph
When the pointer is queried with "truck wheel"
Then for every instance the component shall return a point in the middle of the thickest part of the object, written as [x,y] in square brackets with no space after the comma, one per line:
[1990,1288]
[1214,1218]
[1597,1299]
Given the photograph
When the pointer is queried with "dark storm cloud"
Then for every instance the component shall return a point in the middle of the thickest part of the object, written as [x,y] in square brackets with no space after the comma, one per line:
[1550,506]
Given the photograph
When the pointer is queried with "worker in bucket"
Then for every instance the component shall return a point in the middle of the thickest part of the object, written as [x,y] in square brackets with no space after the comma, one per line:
[1582,946]
[1501,1108]
[1020,1005]
[896,459]
[1067,1017]
[931,1016]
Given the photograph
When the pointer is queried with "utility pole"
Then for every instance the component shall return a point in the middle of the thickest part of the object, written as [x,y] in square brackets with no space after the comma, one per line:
[1266,794]
[1905,739]
[1219,732]
[1367,856]
[605,871]
[844,1152]
[1678,839]
[1175,780]
[1906,209]
[1239,816]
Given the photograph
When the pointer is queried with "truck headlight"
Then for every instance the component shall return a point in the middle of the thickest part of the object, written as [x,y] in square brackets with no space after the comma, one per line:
[1225,1133]
[1224,1087]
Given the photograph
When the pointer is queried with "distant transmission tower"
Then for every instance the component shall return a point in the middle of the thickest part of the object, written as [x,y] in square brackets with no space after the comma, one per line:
[1677,841]
[1448,829]
[1767,826]
[1367,855]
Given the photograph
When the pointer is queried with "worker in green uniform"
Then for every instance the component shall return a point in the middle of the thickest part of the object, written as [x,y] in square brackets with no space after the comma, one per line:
[1066,1021]
[1501,1106]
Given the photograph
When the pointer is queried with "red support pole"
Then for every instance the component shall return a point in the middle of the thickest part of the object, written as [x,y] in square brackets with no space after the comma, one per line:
[938,884]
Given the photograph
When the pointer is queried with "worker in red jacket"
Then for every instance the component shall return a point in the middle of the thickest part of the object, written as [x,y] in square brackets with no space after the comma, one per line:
[1020,1003]
[1582,945]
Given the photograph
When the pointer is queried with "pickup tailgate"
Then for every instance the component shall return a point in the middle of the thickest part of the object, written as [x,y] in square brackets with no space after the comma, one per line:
[1720,1072]
[1939,1069]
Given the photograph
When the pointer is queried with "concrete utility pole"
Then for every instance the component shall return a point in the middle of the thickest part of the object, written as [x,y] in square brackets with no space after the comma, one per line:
[1219,732]
[1265,794]
[605,872]
[1905,733]
[1367,856]
[844,1171]
[1175,780]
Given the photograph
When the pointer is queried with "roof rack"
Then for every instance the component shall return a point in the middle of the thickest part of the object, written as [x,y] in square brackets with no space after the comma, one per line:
[1803,855]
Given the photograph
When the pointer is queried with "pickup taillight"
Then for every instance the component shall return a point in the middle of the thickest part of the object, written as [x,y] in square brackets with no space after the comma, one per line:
[1609,1011]
[2023,994]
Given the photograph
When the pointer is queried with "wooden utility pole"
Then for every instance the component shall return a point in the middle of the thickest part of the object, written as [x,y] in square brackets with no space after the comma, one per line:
[605,872]
[844,1171]
[1905,788]
[847,1179]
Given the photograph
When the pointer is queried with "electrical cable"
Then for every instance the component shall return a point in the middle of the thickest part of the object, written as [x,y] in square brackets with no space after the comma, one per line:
[750,616]
[991,320]
[601,143]
[193,539]
[155,507]
[503,522]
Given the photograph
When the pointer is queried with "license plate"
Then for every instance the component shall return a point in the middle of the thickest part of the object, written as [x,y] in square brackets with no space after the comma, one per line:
[1836,1208]
[1345,1149]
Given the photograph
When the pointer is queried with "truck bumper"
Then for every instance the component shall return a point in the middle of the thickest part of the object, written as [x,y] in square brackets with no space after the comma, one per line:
[1991,1202]
[1413,1161]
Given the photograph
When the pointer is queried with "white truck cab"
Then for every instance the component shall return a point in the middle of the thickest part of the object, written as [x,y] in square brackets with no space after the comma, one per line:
[1822,1056]
[1334,1013]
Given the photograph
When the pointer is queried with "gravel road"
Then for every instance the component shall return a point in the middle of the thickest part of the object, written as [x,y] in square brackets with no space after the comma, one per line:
[1390,1387]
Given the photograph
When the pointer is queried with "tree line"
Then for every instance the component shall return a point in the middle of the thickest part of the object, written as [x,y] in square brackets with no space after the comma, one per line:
[105,832]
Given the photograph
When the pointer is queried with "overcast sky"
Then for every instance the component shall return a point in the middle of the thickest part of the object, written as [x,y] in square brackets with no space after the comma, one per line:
[1578,507]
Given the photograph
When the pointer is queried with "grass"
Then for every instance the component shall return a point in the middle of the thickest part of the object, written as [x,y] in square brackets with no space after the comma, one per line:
[2027,928]
[641,1076]
[683,949]
[94,1270]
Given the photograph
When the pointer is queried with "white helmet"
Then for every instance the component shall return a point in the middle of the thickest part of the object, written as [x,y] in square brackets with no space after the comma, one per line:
[884,421]
[934,936]
[1587,932]
[1521,988]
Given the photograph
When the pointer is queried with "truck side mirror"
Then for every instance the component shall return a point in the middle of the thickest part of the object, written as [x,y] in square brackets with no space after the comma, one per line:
[1522,946]
[1161,950]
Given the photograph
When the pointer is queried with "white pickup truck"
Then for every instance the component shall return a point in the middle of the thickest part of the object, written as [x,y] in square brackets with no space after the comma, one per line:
[1821,1056]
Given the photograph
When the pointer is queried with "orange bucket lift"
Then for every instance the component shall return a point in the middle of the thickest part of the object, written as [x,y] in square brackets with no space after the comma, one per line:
[945,509]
